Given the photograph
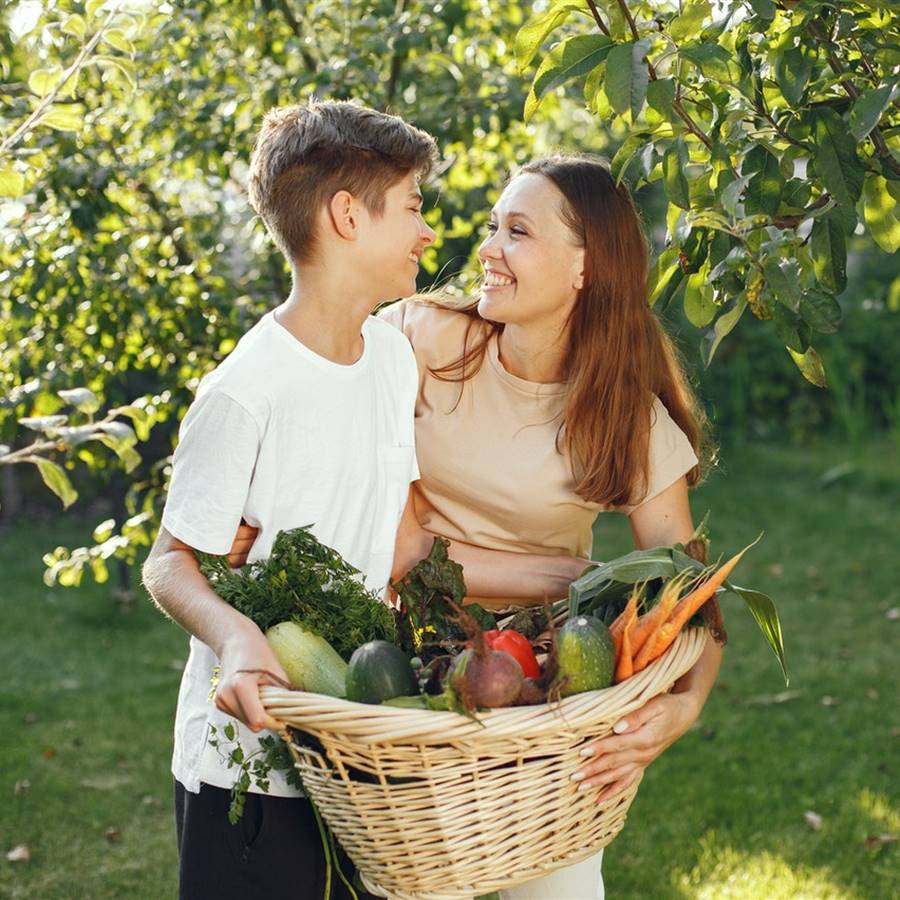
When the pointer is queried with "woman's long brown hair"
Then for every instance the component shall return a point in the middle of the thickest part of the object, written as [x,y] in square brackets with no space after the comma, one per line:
[618,354]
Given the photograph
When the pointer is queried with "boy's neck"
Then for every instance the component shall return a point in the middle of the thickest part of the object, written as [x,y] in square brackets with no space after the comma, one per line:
[319,314]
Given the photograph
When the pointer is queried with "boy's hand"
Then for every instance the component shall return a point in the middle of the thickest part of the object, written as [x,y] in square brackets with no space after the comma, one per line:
[246,658]
[243,542]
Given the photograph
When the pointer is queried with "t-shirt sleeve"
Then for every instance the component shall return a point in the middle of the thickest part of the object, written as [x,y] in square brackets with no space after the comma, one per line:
[671,456]
[211,473]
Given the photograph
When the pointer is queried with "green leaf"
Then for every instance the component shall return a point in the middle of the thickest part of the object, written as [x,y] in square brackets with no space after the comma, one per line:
[573,56]
[792,70]
[631,146]
[725,325]
[665,276]
[763,192]
[43,81]
[115,37]
[713,60]
[794,333]
[820,311]
[836,160]
[784,286]
[532,35]
[689,23]
[763,611]
[699,306]
[765,9]
[74,25]
[83,399]
[92,7]
[627,76]
[868,109]
[810,366]
[880,210]
[661,96]
[56,479]
[828,249]
[675,181]
[12,183]
[568,59]
[64,118]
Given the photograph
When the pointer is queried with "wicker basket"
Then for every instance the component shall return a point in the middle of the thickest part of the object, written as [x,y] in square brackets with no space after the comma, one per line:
[433,805]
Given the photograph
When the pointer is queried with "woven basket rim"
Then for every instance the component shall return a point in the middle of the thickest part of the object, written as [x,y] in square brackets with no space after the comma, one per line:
[376,722]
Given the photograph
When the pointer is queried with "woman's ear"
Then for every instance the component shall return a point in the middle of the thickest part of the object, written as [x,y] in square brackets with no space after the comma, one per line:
[343,215]
[578,278]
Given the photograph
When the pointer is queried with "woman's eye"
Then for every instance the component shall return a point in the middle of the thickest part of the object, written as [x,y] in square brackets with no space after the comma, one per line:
[517,231]
[491,227]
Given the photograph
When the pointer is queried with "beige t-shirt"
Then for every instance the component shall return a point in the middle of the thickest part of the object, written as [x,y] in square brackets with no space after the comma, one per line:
[491,473]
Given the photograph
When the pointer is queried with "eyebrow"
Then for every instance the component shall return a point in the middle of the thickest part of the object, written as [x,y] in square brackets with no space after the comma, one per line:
[515,215]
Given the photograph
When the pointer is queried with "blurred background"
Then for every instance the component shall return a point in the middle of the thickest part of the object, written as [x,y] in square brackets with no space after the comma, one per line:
[131,264]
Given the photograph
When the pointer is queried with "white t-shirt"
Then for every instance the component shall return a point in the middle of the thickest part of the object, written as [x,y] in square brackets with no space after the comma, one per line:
[283,437]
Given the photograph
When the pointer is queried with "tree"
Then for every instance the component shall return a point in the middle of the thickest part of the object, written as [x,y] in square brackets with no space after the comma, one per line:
[773,128]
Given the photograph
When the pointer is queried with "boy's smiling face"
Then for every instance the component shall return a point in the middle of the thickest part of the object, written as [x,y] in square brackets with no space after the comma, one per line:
[390,245]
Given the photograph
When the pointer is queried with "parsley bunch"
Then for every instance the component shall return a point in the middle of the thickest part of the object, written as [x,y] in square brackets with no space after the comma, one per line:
[308,582]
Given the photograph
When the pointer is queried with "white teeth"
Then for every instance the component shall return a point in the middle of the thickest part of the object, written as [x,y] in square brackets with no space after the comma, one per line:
[492,279]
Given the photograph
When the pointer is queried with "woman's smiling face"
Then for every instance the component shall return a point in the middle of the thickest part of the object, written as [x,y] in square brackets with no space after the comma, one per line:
[532,261]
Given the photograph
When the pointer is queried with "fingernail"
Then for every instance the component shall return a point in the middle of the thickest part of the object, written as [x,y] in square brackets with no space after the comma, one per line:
[583,787]
[577,776]
[587,751]
[621,726]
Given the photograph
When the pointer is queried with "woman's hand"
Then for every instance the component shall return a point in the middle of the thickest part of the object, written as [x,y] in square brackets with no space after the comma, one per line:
[243,542]
[619,759]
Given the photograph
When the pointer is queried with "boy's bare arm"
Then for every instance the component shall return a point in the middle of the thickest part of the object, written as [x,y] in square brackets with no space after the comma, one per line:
[172,576]
[490,574]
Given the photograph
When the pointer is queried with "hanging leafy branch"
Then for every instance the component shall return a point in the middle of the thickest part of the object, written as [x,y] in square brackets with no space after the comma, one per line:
[773,128]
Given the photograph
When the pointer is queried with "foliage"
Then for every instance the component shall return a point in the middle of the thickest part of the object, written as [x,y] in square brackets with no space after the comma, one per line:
[304,580]
[771,125]
[130,263]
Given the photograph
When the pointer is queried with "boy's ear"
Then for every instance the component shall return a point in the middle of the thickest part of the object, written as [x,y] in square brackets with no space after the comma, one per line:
[343,211]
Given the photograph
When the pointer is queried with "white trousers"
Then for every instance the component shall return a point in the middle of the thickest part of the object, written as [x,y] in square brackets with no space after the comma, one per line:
[581,881]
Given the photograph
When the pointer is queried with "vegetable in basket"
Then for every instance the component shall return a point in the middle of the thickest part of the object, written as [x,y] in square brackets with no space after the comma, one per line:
[586,656]
[379,671]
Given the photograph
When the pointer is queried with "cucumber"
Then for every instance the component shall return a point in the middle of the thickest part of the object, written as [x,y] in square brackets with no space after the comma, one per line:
[310,662]
[379,671]
[586,656]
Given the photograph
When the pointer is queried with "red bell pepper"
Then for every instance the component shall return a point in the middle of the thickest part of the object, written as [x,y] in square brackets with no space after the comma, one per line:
[507,640]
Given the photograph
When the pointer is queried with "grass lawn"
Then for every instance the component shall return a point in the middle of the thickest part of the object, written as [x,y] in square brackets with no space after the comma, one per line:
[89,693]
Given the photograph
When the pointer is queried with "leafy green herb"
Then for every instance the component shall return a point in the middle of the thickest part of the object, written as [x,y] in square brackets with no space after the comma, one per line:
[306,581]
[252,768]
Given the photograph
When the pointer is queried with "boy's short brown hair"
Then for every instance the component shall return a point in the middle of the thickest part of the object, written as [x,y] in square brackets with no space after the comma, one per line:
[306,153]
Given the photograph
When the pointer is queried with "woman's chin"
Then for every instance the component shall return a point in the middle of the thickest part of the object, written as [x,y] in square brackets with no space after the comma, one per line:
[490,308]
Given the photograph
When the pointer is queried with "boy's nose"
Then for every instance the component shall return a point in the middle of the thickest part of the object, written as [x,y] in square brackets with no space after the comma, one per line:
[427,235]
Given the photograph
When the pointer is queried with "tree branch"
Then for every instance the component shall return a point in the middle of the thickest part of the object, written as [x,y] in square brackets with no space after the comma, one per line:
[291,19]
[42,107]
[397,60]
[596,14]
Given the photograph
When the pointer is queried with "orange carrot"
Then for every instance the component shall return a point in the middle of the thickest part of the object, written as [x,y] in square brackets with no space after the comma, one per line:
[618,626]
[624,663]
[649,623]
[691,604]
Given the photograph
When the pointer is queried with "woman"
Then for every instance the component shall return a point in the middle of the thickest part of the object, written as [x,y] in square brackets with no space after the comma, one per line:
[556,397]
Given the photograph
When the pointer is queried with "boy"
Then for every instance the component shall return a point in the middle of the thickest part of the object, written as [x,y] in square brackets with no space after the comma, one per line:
[309,420]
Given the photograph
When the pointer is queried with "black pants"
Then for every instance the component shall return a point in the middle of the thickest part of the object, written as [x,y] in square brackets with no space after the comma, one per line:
[274,851]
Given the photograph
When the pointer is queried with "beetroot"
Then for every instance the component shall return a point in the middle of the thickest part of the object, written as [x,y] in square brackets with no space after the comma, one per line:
[485,678]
